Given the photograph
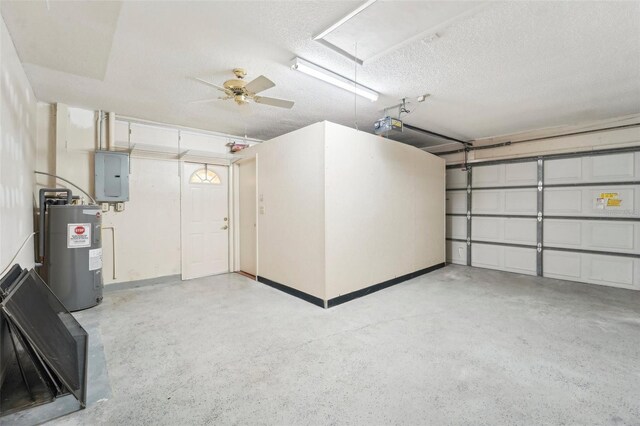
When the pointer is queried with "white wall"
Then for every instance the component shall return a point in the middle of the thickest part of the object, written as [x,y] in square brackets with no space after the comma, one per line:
[18,131]
[148,230]
[247,206]
[384,207]
[291,191]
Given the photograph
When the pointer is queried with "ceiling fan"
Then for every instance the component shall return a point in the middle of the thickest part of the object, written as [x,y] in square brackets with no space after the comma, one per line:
[242,92]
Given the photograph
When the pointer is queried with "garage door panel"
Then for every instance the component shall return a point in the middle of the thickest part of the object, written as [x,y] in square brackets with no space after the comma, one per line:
[563,233]
[520,260]
[521,201]
[457,252]
[500,229]
[596,235]
[456,178]
[520,231]
[563,171]
[626,196]
[606,270]
[592,201]
[611,167]
[456,202]
[521,174]
[488,176]
[611,236]
[512,201]
[562,265]
[610,270]
[562,201]
[487,202]
[505,175]
[487,256]
[456,227]
[511,259]
[598,168]
[487,228]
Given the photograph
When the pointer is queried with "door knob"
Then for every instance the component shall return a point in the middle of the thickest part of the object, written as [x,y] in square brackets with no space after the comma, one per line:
[225,227]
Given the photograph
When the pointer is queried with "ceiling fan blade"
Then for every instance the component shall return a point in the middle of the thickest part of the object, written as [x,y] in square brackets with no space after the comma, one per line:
[259,84]
[205,101]
[222,89]
[280,103]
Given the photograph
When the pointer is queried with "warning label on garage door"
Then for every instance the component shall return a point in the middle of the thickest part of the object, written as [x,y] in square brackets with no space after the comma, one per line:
[608,199]
[78,235]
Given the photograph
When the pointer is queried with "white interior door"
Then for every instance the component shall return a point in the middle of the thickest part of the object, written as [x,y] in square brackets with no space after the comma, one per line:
[205,220]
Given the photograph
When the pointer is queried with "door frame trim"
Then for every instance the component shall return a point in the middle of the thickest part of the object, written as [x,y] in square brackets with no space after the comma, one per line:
[236,215]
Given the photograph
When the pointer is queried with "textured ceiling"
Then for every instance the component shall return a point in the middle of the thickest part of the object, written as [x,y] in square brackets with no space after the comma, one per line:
[394,26]
[74,40]
[507,67]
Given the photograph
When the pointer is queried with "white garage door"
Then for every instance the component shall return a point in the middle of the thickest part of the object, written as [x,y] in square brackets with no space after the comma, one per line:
[574,217]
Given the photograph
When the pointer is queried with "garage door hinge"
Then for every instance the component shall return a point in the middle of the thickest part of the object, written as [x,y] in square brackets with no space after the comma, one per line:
[539,216]
[468,215]
[468,241]
[540,186]
[539,247]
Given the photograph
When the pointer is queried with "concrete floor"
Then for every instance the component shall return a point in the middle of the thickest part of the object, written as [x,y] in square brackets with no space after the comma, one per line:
[456,346]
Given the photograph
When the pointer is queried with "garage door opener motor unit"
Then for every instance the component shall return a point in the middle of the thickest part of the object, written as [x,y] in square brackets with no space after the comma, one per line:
[70,249]
[386,125]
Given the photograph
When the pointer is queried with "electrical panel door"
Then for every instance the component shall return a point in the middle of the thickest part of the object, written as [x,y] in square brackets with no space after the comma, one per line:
[111,176]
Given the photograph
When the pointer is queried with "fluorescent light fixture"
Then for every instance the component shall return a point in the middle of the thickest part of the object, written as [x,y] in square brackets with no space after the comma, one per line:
[330,77]
[345,19]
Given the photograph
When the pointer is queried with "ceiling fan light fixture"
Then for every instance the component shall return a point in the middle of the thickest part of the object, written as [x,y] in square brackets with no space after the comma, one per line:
[325,75]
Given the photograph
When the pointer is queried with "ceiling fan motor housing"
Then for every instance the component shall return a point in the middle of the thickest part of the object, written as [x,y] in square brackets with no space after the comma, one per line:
[236,86]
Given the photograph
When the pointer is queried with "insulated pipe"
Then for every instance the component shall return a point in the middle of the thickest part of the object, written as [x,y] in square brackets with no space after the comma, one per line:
[111,134]
[100,119]
[113,234]
[41,221]
[70,183]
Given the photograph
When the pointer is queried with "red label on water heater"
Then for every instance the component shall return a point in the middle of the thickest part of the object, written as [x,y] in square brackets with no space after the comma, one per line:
[78,235]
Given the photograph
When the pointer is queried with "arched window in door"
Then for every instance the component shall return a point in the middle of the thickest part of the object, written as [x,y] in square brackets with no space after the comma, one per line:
[205,175]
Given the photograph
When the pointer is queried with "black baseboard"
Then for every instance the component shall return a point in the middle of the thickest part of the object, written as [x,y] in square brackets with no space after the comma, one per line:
[292,291]
[349,296]
[381,286]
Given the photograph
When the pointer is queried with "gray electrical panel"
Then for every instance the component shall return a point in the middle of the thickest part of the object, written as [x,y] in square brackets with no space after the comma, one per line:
[111,176]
